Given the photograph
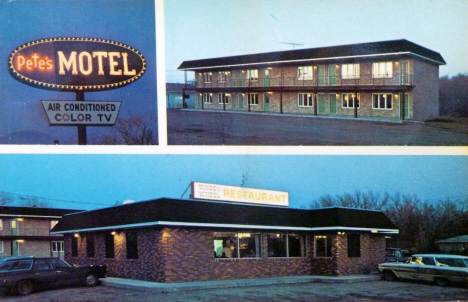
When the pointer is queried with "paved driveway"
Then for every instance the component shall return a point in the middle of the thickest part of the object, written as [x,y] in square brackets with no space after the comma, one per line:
[190,127]
[311,292]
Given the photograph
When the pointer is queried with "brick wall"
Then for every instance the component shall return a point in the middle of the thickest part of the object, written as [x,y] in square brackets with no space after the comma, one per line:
[426,90]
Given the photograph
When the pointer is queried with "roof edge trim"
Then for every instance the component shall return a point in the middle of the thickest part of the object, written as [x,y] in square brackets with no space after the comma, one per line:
[35,216]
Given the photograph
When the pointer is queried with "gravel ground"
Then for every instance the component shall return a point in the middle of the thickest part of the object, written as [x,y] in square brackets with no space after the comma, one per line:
[187,127]
[311,292]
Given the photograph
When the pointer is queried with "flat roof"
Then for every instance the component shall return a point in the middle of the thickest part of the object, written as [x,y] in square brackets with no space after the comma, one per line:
[382,48]
[191,213]
[12,211]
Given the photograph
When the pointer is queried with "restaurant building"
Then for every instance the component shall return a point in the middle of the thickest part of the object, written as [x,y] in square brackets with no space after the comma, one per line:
[395,79]
[177,240]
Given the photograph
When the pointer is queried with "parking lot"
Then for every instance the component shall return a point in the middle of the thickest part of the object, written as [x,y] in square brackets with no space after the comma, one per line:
[313,292]
[191,127]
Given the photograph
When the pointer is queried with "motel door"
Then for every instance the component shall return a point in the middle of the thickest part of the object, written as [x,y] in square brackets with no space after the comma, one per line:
[15,248]
[332,98]
[14,228]
[407,103]
[241,101]
[266,79]
[405,73]
[321,76]
[332,75]
[321,104]
[266,98]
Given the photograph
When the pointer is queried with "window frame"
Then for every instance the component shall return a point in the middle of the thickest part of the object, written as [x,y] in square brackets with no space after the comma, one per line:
[1,224]
[249,98]
[328,245]
[252,75]
[131,244]
[207,77]
[74,247]
[301,75]
[207,98]
[57,246]
[301,98]
[385,106]
[354,245]
[90,246]
[223,76]
[358,98]
[223,98]
[350,71]
[287,246]
[2,250]
[237,237]
[108,246]
[380,70]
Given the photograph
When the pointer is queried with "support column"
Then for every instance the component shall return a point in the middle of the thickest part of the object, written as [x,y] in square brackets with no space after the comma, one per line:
[82,136]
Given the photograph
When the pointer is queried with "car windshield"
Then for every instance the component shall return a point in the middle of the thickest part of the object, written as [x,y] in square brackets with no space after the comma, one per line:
[59,263]
[16,265]
[453,262]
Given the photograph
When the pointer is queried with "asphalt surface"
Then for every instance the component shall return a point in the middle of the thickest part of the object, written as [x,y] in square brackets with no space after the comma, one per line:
[192,127]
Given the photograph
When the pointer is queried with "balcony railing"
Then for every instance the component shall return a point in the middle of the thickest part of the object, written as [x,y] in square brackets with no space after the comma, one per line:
[321,81]
[26,232]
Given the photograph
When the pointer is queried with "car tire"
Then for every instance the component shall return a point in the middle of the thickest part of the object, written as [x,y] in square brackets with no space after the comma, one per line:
[91,280]
[389,275]
[24,287]
[441,281]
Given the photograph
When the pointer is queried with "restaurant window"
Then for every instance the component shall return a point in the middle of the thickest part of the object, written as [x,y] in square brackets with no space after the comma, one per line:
[57,246]
[207,77]
[350,71]
[253,98]
[109,245]
[354,245]
[207,98]
[322,246]
[305,73]
[74,246]
[90,245]
[382,101]
[349,100]
[286,245]
[132,245]
[252,75]
[222,76]
[382,70]
[305,100]
[237,245]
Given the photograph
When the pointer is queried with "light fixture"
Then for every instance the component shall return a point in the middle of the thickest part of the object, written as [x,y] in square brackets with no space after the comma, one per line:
[113,233]
[77,235]
[374,231]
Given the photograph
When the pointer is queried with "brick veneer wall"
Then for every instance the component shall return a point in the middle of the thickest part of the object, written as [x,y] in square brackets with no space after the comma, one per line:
[186,254]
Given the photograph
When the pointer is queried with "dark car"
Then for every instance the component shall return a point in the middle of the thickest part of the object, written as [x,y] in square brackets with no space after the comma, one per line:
[395,255]
[22,275]
[439,268]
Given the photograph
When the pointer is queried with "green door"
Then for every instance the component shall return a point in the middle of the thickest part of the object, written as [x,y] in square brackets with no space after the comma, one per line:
[15,248]
[321,76]
[241,101]
[233,79]
[234,103]
[266,79]
[332,98]
[332,75]
[266,102]
[407,103]
[321,104]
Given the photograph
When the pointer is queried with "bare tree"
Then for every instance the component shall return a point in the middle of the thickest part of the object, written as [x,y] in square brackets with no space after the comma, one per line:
[136,130]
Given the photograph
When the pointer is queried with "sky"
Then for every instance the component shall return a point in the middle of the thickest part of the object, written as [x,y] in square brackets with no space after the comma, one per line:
[88,181]
[199,29]
[24,21]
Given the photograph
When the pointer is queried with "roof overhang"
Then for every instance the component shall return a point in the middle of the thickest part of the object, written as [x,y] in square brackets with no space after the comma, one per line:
[30,216]
[311,60]
[233,226]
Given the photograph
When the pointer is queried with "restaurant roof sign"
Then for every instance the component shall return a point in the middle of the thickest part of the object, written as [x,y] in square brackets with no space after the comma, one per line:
[76,64]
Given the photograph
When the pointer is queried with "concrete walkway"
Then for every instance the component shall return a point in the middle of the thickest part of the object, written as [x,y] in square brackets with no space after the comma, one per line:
[187,286]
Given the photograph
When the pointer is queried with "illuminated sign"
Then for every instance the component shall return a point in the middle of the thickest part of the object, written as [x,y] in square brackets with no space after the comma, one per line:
[72,113]
[239,194]
[76,64]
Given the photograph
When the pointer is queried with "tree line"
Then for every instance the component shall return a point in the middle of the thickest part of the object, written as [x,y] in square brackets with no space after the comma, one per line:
[453,95]
[421,223]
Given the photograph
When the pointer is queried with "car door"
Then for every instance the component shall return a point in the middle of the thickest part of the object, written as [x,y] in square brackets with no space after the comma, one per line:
[427,270]
[43,273]
[66,273]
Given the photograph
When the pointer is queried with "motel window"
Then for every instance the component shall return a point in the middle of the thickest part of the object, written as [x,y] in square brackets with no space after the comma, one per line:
[382,70]
[207,98]
[354,245]
[222,76]
[109,245]
[349,100]
[53,223]
[74,246]
[305,73]
[1,224]
[1,247]
[382,101]
[286,245]
[237,245]
[305,100]
[57,246]
[252,75]
[253,98]
[223,98]
[132,245]
[207,77]
[350,71]
[90,245]
[322,246]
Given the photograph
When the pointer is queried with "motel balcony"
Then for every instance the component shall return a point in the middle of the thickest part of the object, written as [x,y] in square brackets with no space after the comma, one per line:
[364,81]
[15,233]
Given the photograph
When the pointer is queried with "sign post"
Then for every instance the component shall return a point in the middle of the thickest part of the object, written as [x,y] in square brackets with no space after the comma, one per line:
[77,65]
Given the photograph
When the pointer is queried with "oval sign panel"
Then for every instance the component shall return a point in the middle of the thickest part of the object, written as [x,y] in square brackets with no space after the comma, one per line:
[76,64]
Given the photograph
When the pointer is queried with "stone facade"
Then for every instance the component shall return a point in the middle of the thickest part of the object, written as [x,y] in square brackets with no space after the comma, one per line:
[182,254]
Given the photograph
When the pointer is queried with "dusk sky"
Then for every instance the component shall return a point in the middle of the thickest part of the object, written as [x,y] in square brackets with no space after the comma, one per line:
[90,181]
[29,20]
[216,28]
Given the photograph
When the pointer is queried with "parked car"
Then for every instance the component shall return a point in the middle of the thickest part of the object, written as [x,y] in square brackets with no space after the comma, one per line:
[395,255]
[440,268]
[25,274]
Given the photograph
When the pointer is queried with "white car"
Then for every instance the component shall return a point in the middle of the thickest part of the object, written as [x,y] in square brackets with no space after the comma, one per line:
[440,268]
